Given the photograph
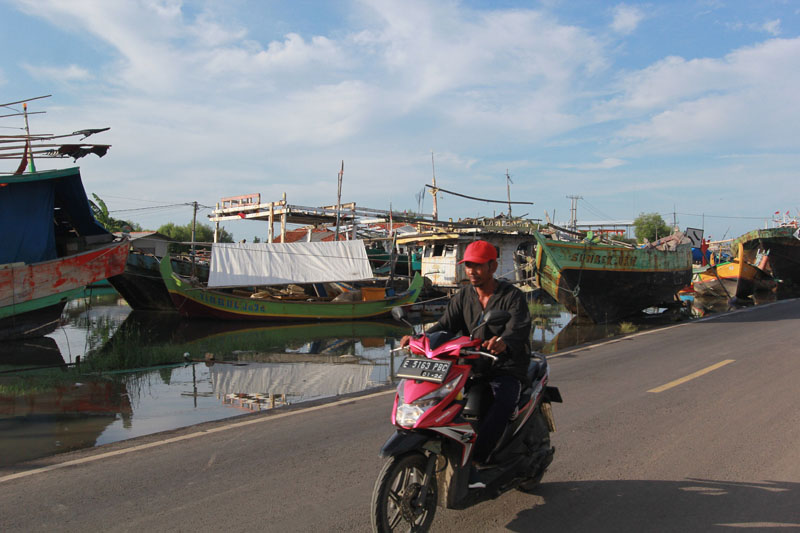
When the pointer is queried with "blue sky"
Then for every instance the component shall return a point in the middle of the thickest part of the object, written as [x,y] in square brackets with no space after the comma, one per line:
[685,106]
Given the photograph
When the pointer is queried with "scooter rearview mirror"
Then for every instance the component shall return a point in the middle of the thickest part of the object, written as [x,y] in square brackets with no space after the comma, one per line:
[399,314]
[495,317]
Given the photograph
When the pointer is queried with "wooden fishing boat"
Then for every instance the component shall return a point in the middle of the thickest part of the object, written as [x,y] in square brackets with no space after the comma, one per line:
[608,282]
[195,300]
[141,285]
[53,248]
[732,278]
[382,262]
[777,250]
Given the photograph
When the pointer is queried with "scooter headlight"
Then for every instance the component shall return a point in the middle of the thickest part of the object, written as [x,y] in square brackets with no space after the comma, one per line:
[407,414]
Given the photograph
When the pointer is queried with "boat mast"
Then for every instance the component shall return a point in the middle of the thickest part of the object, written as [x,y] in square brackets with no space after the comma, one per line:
[508,190]
[339,199]
[434,190]
[31,166]
[194,226]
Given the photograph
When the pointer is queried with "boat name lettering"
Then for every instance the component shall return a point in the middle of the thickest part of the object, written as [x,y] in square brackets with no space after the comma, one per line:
[597,259]
[232,304]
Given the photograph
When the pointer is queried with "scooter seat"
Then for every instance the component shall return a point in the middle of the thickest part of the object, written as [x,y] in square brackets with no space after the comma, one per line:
[536,371]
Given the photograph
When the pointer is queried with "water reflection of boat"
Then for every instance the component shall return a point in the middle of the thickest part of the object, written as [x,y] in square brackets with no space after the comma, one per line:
[42,351]
[709,304]
[578,331]
[241,337]
[145,328]
[45,408]
[291,363]
[293,382]
[42,418]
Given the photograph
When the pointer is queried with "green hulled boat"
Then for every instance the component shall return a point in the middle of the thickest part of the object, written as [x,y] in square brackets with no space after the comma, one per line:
[608,282]
[194,300]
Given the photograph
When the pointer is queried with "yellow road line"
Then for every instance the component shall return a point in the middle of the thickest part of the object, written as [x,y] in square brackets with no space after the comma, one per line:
[257,420]
[690,377]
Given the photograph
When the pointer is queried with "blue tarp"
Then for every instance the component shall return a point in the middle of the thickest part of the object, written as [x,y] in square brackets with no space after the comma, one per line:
[29,206]
[26,222]
[697,255]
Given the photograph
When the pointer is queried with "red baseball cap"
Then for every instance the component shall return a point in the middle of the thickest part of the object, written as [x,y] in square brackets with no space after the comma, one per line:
[479,252]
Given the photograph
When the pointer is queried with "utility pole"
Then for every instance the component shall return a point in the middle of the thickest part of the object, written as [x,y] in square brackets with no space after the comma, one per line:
[194,227]
[434,190]
[674,218]
[508,190]
[573,211]
[339,200]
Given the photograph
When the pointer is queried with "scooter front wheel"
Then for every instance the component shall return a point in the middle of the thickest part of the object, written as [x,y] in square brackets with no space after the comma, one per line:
[395,498]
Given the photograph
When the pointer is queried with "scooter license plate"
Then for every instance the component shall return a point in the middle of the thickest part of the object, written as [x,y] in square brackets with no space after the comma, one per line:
[424,369]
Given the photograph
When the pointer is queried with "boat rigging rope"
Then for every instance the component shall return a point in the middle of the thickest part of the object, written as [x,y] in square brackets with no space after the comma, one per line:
[431,300]
[577,290]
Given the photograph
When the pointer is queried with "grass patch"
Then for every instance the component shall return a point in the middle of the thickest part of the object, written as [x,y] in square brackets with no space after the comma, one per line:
[538,309]
[627,327]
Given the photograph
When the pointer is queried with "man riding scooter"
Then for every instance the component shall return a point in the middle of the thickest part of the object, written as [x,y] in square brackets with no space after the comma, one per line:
[512,345]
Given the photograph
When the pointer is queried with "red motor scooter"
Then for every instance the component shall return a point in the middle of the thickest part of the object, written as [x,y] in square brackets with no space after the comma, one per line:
[438,405]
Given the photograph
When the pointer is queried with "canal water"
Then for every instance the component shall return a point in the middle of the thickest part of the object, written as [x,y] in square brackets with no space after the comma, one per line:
[109,374]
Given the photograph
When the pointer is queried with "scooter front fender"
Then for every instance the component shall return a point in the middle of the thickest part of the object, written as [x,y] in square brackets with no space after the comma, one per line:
[403,441]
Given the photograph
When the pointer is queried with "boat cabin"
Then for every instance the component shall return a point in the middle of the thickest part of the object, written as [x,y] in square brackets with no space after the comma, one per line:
[441,253]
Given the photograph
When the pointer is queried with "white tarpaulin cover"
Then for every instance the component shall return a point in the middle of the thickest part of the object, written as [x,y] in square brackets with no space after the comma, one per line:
[307,380]
[242,264]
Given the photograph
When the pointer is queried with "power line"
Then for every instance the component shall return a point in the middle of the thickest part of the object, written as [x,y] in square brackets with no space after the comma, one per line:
[717,216]
[148,208]
[157,202]
[596,211]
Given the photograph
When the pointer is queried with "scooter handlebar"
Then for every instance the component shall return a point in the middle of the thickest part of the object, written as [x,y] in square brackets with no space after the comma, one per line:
[479,352]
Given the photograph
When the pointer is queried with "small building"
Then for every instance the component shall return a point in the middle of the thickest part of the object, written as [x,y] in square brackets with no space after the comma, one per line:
[148,242]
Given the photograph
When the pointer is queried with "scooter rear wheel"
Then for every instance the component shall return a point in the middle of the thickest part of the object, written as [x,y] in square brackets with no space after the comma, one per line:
[394,498]
[540,439]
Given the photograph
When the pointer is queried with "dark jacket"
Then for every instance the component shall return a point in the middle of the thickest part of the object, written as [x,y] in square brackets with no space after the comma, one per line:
[464,312]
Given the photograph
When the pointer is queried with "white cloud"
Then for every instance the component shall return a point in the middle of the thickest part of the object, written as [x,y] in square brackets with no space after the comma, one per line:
[517,69]
[58,74]
[626,18]
[206,100]
[773,27]
[745,98]
[605,164]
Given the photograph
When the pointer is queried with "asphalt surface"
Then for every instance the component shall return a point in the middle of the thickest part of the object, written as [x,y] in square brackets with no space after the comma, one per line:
[694,427]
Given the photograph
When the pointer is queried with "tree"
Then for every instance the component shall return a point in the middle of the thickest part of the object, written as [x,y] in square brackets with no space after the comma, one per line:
[100,212]
[650,226]
[203,233]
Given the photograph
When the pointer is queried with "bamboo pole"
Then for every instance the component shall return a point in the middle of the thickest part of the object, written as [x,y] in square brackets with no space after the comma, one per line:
[271,231]
[283,220]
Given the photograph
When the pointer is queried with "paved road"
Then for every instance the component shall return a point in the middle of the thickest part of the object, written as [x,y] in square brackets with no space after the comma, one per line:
[640,447]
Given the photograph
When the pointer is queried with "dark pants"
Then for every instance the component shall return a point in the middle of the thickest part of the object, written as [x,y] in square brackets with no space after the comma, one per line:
[506,390]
